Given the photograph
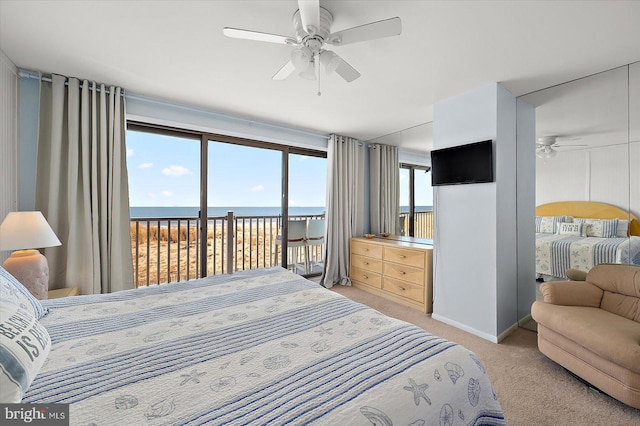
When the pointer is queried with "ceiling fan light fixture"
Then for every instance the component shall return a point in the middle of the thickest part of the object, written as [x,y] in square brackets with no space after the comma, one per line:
[310,72]
[301,58]
[546,152]
[330,61]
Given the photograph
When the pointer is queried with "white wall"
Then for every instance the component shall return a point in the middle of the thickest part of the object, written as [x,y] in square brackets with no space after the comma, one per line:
[166,113]
[475,248]
[8,139]
[599,174]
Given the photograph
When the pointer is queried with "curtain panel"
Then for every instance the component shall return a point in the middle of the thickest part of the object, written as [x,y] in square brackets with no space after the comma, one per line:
[384,189]
[345,206]
[82,186]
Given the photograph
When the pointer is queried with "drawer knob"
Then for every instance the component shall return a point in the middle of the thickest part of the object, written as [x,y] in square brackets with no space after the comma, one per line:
[366,263]
[402,256]
[365,277]
[402,288]
[366,249]
[403,273]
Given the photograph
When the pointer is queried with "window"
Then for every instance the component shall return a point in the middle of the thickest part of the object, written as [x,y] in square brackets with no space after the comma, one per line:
[204,204]
[416,201]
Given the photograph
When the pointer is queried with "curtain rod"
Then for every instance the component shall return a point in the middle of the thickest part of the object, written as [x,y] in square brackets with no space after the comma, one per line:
[48,79]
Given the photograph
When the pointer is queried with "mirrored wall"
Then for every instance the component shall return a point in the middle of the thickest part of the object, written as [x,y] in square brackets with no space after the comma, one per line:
[587,158]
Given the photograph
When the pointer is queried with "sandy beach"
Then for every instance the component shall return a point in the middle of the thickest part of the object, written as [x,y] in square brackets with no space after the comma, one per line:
[164,254]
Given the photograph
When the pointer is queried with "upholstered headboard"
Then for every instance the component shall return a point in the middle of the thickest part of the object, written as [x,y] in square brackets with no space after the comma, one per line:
[589,209]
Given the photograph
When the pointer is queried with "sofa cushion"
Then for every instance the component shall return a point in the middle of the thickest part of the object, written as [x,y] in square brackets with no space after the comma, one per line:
[619,304]
[610,336]
[618,278]
[621,285]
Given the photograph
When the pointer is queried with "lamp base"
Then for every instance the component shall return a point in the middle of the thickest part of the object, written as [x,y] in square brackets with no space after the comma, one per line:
[31,268]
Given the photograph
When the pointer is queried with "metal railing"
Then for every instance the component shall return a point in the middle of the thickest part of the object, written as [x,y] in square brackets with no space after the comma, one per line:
[168,249]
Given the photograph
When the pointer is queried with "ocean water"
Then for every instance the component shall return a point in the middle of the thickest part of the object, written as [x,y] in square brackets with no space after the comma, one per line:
[155,212]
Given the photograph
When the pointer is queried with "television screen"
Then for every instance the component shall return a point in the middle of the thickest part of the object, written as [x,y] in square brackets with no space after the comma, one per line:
[471,163]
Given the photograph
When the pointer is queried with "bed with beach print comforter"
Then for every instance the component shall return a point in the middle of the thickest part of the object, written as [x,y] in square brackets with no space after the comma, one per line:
[555,254]
[256,347]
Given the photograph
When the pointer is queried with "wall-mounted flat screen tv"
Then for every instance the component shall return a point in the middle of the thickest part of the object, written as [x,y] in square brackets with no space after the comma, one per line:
[471,163]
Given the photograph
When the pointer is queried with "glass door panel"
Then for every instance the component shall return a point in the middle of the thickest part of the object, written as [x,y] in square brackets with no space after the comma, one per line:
[423,210]
[405,200]
[164,195]
[307,200]
[244,214]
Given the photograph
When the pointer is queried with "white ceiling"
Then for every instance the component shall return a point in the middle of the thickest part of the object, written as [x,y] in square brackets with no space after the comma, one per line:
[175,51]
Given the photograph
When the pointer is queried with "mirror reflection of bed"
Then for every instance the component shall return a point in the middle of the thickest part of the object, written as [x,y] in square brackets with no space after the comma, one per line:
[582,234]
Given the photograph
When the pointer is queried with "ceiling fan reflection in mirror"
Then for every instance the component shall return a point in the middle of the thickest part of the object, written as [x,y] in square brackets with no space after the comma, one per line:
[545,146]
[312,25]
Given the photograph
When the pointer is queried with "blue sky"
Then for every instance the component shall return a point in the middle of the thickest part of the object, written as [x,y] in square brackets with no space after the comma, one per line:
[165,171]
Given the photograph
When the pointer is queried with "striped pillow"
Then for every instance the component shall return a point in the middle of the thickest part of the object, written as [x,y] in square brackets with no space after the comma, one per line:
[11,290]
[623,228]
[24,346]
[601,228]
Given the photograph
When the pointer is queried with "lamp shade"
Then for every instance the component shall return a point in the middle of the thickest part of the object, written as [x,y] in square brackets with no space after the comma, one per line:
[26,230]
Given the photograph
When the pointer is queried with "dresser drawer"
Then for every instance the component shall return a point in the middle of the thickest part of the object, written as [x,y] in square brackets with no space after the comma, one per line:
[404,289]
[366,277]
[366,249]
[368,263]
[404,256]
[404,273]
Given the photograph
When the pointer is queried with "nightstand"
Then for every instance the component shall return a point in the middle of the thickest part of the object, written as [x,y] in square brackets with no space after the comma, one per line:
[63,292]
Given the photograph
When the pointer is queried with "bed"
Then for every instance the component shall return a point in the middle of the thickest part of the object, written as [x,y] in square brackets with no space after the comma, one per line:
[256,347]
[582,234]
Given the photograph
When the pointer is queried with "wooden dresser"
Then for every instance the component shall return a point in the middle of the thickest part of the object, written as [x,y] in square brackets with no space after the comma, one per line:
[397,270]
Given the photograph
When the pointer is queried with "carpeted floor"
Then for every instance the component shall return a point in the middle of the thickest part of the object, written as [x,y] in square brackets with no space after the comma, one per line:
[533,390]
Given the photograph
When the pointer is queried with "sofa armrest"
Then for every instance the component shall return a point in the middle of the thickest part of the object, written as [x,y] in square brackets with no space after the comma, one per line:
[572,293]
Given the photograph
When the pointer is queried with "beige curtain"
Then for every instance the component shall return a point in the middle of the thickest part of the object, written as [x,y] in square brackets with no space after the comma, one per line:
[384,189]
[345,202]
[82,186]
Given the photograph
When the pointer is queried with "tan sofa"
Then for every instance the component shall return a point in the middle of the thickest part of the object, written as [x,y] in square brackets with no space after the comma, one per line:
[592,328]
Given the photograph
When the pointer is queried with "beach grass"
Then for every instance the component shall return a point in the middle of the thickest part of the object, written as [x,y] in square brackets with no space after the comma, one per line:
[164,253]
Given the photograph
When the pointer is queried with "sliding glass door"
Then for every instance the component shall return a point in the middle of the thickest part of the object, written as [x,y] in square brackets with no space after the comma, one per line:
[204,204]
[416,201]
[244,186]
[164,199]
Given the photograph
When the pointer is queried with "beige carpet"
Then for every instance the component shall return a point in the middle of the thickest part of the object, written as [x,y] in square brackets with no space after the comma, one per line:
[533,390]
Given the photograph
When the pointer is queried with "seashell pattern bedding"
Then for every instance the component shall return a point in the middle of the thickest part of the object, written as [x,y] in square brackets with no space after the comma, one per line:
[256,347]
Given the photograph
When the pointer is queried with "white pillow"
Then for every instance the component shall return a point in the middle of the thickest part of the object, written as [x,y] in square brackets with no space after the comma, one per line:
[11,290]
[565,228]
[601,228]
[24,346]
[549,224]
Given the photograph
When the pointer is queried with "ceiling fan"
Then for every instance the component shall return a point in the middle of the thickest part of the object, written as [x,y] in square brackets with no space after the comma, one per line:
[545,146]
[312,25]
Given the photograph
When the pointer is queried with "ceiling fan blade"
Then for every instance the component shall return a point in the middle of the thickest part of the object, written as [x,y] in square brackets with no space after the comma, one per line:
[258,36]
[285,71]
[310,15]
[346,71]
[386,28]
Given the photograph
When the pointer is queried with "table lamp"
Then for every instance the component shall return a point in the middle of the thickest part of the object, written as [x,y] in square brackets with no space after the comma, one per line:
[25,232]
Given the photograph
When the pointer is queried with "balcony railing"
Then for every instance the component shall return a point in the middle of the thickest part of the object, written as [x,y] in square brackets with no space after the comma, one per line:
[168,249]
[423,227]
